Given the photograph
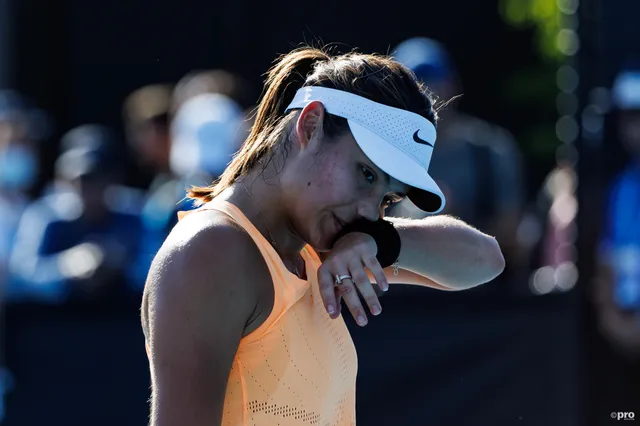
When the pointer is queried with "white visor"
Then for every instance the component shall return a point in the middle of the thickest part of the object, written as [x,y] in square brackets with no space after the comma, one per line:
[398,141]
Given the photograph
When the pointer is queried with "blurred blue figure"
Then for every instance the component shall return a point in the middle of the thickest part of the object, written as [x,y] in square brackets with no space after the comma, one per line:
[619,255]
[80,241]
[205,133]
[18,170]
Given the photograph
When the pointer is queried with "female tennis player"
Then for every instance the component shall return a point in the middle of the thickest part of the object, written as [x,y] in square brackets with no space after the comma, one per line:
[241,309]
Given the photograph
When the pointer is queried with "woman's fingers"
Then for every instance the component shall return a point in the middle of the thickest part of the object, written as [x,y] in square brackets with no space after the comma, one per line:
[362,282]
[336,290]
[326,280]
[372,264]
[343,275]
[350,295]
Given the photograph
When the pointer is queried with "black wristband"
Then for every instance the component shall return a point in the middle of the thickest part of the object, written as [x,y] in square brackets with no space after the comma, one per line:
[385,235]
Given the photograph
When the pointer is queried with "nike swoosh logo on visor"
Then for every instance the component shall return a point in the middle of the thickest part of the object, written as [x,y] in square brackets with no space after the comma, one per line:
[422,141]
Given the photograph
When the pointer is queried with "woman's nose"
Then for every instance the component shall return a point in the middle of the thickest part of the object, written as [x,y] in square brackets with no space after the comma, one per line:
[370,210]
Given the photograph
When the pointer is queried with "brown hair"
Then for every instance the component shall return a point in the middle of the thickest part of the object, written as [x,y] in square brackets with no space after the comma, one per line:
[376,77]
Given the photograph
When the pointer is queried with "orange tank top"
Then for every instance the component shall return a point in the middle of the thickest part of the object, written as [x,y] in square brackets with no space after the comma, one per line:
[299,367]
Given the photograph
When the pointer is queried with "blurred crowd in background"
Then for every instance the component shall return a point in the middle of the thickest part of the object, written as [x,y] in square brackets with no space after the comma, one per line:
[88,240]
[88,232]
[74,254]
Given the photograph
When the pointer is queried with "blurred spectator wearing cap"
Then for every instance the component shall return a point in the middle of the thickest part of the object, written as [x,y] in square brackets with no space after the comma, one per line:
[617,285]
[478,164]
[79,241]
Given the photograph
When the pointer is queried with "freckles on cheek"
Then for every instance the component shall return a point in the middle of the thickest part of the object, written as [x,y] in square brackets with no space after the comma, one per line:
[330,182]
[330,171]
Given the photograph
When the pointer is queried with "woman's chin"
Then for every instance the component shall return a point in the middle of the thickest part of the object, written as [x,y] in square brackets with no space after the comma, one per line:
[321,246]
[322,237]
[322,249]
[322,242]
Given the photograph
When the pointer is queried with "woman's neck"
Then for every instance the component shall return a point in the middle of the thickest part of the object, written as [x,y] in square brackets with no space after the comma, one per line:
[261,202]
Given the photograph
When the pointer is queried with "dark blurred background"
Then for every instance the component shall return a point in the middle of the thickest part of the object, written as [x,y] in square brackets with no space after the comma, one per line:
[106,95]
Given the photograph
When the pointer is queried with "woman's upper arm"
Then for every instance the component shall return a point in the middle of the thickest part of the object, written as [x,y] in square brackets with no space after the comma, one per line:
[197,302]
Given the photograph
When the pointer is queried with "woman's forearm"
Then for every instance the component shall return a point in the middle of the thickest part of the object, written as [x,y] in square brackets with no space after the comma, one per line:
[448,251]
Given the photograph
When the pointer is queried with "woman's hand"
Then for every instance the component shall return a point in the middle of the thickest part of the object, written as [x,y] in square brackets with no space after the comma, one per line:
[350,255]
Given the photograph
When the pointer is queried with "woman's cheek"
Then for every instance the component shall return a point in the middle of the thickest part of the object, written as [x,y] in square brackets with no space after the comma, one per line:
[330,181]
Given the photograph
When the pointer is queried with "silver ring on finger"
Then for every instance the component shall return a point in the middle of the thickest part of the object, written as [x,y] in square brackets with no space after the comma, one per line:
[340,278]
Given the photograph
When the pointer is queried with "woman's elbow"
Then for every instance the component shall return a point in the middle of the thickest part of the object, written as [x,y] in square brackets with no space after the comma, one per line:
[488,265]
[490,259]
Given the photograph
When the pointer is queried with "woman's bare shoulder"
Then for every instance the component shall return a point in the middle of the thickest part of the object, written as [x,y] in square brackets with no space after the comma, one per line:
[202,241]
[207,258]
[200,294]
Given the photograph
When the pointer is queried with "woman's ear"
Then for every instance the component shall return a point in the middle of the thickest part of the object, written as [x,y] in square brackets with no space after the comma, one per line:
[309,122]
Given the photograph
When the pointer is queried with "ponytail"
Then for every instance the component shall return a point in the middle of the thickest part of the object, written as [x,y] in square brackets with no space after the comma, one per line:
[283,80]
